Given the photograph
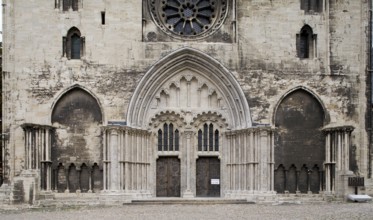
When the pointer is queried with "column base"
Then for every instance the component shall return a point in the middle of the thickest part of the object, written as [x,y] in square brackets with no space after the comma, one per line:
[188,194]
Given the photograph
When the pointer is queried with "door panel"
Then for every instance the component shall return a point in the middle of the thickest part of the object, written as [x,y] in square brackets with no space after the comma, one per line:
[168,177]
[208,177]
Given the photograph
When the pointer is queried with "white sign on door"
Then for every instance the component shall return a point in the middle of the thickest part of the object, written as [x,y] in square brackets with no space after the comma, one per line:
[215,181]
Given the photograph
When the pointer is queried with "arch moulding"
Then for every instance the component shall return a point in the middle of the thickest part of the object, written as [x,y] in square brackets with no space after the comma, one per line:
[187,66]
[70,88]
[309,91]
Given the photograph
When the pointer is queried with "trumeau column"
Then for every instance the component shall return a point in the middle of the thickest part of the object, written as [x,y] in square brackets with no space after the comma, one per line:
[188,192]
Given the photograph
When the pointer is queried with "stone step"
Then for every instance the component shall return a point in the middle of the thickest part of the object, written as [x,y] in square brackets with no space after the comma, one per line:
[194,201]
[303,198]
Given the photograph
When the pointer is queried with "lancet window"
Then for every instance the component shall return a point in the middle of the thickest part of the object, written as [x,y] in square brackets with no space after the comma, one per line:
[208,138]
[168,138]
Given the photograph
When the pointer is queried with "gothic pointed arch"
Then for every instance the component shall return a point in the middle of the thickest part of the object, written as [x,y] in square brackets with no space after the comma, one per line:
[188,80]
[77,119]
[76,87]
[311,93]
[299,143]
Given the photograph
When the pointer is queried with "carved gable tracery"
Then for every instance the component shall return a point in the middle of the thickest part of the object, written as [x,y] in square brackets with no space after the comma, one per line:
[188,94]
[167,117]
[188,82]
[209,117]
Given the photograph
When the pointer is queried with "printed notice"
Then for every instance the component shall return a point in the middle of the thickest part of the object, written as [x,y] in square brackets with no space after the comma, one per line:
[215,181]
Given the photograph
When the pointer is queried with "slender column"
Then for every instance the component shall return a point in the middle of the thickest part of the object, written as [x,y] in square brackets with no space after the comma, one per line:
[321,181]
[239,161]
[126,159]
[90,180]
[49,177]
[132,159]
[113,146]
[121,159]
[178,97]
[48,157]
[230,150]
[29,148]
[264,159]
[327,162]
[138,161]
[297,181]
[233,147]
[347,150]
[272,171]
[188,94]
[229,161]
[38,148]
[309,181]
[339,151]
[105,160]
[146,159]
[245,160]
[67,179]
[252,152]
[188,135]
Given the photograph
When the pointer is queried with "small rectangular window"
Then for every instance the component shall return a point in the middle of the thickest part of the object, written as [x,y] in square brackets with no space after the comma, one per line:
[103,18]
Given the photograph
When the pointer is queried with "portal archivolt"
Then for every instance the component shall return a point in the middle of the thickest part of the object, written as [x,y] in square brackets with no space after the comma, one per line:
[189,82]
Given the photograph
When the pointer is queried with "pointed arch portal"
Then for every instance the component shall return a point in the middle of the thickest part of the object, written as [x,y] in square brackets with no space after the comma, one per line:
[186,122]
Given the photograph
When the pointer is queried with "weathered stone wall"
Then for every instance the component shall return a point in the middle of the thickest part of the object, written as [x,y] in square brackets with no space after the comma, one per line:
[263,59]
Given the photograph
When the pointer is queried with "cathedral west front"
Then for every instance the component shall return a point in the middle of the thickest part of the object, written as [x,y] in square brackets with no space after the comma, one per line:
[150,99]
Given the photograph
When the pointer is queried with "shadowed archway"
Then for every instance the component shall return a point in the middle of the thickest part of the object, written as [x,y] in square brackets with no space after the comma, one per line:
[77,118]
[299,144]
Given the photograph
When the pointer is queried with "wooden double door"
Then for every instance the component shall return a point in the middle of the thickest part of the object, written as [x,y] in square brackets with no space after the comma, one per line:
[207,177]
[168,177]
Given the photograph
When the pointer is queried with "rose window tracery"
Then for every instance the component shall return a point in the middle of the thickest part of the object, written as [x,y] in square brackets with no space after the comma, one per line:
[188,18]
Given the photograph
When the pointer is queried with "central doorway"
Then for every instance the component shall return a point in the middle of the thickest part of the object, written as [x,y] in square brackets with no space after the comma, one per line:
[168,177]
[208,177]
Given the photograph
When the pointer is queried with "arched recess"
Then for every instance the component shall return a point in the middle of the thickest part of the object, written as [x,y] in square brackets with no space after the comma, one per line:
[77,118]
[299,144]
[307,90]
[201,83]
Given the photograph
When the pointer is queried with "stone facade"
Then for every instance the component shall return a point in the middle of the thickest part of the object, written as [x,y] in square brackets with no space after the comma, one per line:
[110,97]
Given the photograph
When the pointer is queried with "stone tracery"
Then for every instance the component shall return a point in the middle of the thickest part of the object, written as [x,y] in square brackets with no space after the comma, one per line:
[188,18]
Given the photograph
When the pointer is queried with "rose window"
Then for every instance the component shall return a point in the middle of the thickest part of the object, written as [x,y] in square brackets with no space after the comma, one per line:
[188,18]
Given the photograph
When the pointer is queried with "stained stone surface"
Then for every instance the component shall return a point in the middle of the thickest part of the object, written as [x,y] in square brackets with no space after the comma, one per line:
[212,212]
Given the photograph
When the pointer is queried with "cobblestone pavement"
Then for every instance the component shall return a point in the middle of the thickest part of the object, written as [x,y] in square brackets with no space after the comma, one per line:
[336,211]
